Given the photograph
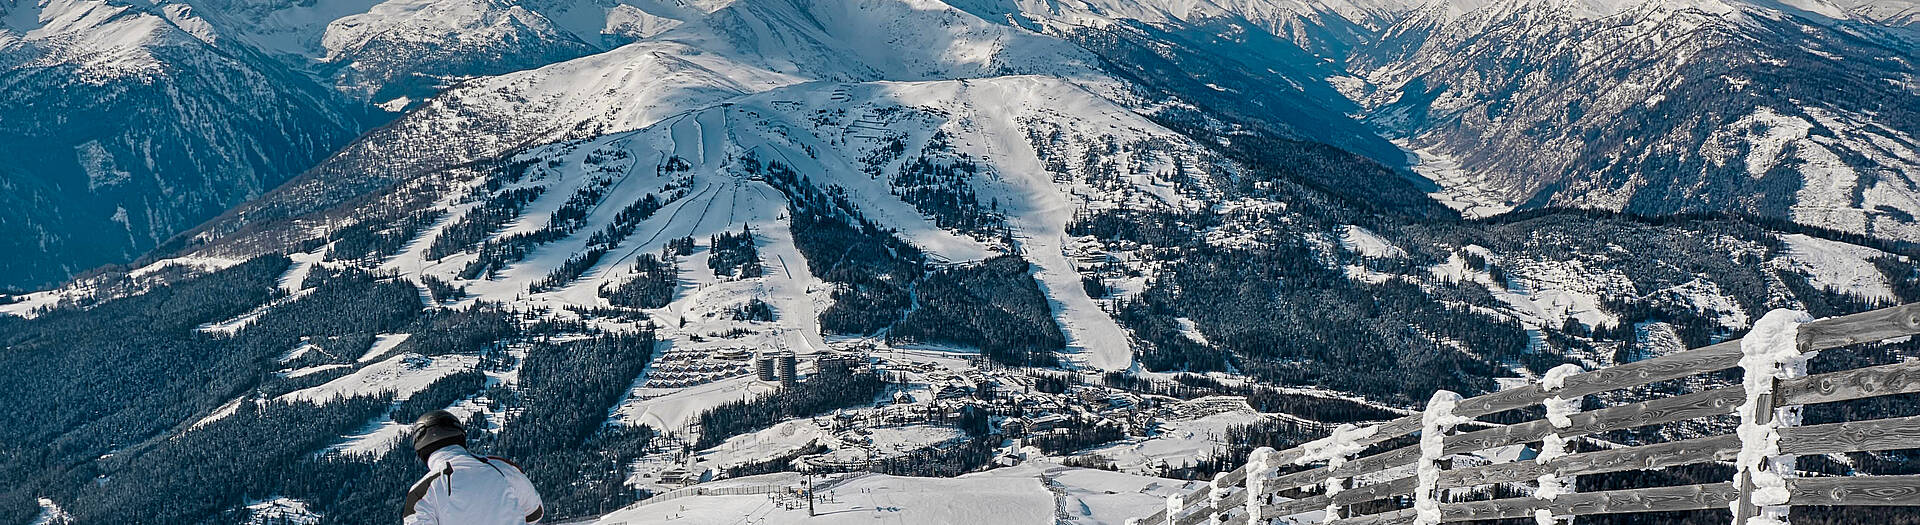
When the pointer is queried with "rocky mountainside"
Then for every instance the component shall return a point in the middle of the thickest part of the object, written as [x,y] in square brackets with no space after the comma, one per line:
[125,124]
[130,122]
[1660,107]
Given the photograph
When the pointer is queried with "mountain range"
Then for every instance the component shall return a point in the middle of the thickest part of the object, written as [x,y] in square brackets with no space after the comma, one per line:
[255,218]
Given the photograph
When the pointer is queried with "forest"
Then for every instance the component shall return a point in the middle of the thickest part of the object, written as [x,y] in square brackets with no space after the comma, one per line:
[155,373]
[652,285]
[872,269]
[734,256]
[994,306]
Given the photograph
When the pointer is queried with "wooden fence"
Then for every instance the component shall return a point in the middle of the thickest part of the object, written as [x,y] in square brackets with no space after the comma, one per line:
[1247,496]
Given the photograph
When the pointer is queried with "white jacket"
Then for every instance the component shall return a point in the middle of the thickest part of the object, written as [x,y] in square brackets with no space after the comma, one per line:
[466,489]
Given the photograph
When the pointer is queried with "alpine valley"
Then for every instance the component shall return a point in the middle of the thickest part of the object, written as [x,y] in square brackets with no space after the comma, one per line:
[1098,247]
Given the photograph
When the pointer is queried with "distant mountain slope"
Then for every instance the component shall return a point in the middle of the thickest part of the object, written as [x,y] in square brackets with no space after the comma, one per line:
[131,122]
[1661,107]
[397,52]
[401,51]
[742,48]
[126,124]
[1262,62]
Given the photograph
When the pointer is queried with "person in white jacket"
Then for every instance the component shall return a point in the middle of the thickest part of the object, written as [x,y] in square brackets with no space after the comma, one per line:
[463,488]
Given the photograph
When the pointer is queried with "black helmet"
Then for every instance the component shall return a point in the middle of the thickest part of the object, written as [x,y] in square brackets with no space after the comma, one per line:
[436,430]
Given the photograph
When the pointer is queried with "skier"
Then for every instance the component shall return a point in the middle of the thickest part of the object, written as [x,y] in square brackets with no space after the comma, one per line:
[462,488]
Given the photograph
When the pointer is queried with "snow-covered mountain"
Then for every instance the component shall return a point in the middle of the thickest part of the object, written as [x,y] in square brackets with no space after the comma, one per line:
[742,48]
[1660,107]
[399,51]
[129,122]
[1264,63]
[1145,236]
[126,123]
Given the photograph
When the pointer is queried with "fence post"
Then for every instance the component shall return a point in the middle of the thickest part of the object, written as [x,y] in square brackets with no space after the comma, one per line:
[1437,421]
[1259,468]
[1552,446]
[1772,351]
[1218,496]
[1175,503]
[1762,414]
[1336,512]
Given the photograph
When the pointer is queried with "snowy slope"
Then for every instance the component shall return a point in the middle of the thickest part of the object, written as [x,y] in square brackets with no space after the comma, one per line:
[989,120]
[757,68]
[723,50]
[1033,493]
[397,52]
[1838,266]
[1321,26]
[412,48]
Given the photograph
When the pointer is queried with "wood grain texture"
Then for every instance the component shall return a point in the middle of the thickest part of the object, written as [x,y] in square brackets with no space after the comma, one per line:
[1295,506]
[1672,366]
[1394,517]
[1715,402]
[1719,401]
[1856,490]
[1837,490]
[1235,476]
[1873,381]
[1370,492]
[1234,500]
[1852,436]
[1832,332]
[1659,499]
[1864,327]
[1199,514]
[1672,454]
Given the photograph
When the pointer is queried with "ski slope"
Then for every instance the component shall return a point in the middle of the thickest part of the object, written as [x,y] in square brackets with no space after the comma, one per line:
[1034,493]
[990,121]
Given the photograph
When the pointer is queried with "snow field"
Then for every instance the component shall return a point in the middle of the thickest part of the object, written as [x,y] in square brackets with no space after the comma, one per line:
[403,375]
[1838,266]
[1368,244]
[1177,443]
[1035,493]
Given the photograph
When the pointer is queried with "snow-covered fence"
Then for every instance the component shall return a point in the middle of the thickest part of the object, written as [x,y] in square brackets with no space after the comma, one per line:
[1772,359]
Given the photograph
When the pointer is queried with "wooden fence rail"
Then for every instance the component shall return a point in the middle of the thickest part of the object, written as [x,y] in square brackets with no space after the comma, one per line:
[1336,484]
